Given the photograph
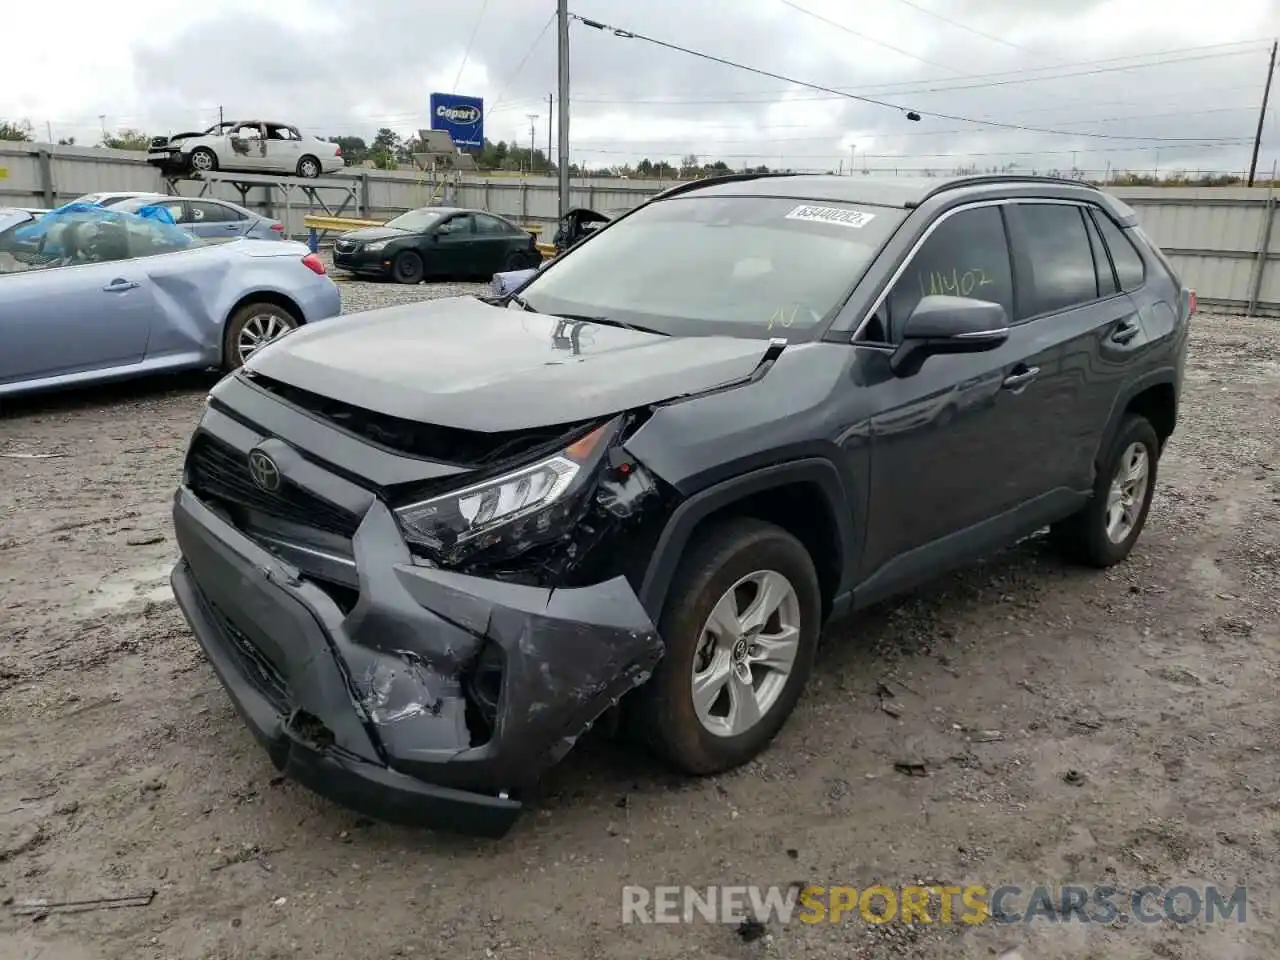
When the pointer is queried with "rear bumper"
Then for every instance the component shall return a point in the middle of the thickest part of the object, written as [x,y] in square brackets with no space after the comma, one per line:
[373,706]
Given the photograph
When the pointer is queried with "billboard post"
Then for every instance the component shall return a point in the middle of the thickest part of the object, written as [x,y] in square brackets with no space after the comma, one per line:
[462,117]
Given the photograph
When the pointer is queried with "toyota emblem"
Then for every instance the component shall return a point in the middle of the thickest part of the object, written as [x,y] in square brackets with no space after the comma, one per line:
[263,470]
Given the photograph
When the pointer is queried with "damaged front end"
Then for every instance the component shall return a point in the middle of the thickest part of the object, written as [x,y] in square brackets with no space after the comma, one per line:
[428,668]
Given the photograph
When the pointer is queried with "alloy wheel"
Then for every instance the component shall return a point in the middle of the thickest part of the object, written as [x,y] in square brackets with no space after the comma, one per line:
[1127,493]
[746,652]
[258,331]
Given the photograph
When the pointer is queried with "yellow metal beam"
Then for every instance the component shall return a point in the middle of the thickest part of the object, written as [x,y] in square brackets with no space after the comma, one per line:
[314,222]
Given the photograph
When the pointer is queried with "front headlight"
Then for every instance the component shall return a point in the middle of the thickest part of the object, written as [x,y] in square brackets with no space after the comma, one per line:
[376,245]
[526,505]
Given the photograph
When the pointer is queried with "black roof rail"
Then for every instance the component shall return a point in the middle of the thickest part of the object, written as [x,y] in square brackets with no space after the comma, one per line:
[690,185]
[978,179]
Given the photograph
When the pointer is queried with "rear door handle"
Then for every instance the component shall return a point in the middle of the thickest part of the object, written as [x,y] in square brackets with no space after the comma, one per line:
[1021,378]
[120,286]
[1125,331]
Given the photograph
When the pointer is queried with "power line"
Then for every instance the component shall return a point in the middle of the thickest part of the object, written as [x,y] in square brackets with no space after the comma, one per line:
[834,136]
[868,38]
[965,27]
[910,114]
[908,156]
[467,53]
[837,93]
[523,60]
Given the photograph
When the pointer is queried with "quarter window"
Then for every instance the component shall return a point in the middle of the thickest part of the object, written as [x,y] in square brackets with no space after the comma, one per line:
[490,226]
[967,255]
[1057,257]
[1101,262]
[1128,261]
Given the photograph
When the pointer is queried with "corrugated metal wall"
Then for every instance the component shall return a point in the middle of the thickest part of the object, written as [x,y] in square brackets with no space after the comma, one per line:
[1213,236]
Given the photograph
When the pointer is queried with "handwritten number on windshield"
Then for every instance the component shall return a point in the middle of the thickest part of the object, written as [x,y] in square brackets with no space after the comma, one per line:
[782,318]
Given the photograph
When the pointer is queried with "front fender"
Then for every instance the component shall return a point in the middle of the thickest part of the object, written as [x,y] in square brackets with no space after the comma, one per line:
[675,537]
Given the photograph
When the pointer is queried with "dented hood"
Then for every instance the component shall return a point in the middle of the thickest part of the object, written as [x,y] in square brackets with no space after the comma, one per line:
[463,363]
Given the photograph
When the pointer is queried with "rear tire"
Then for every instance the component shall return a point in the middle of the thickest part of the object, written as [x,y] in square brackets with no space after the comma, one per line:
[707,739]
[1105,530]
[309,168]
[407,267]
[259,323]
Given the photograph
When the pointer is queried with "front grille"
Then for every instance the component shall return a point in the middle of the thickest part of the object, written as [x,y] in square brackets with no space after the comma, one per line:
[451,445]
[260,671]
[220,472]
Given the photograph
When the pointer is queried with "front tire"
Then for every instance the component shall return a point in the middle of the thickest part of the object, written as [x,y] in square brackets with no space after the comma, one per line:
[1104,532]
[251,328]
[204,160]
[407,267]
[741,626]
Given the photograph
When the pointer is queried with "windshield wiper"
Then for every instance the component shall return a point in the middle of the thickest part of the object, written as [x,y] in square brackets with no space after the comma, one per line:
[612,322]
[521,302]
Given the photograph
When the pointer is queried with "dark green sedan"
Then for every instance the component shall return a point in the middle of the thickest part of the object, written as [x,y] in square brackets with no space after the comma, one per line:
[437,243]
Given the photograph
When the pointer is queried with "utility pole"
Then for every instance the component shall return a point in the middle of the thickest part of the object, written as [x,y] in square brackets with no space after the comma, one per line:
[551,101]
[533,140]
[1262,115]
[220,120]
[562,16]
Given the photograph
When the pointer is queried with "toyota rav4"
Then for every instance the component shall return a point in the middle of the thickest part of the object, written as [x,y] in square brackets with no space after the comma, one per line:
[426,547]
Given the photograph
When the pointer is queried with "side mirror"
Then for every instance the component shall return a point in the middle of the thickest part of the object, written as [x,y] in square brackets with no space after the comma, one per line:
[941,324]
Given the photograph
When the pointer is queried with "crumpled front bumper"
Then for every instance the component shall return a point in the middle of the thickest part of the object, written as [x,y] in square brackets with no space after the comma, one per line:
[370,707]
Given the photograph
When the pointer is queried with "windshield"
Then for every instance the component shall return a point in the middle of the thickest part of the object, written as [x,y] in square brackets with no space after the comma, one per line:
[415,220]
[737,266]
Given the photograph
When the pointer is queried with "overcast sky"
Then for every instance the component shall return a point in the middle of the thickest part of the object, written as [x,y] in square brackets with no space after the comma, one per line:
[337,67]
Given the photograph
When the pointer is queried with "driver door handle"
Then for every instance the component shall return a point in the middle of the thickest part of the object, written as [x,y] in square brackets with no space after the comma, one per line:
[120,286]
[1021,378]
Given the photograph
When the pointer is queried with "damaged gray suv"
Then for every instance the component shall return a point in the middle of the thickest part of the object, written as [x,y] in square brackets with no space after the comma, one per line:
[426,547]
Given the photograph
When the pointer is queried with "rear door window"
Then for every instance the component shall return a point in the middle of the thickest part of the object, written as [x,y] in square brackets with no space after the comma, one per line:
[1107,285]
[1056,258]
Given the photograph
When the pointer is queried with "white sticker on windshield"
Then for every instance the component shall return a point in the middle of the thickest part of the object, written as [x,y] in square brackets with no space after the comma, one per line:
[836,215]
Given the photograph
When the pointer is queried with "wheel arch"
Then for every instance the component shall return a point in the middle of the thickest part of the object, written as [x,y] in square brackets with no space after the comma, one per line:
[274,297]
[807,498]
[1154,396]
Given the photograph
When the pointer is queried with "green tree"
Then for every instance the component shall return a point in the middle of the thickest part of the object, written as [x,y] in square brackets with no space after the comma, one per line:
[19,130]
[387,148]
[127,140]
[354,150]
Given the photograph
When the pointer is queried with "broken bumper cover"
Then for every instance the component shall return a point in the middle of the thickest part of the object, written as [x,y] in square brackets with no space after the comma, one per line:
[370,707]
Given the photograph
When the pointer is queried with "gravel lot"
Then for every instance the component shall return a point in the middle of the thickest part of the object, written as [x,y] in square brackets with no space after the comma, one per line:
[124,767]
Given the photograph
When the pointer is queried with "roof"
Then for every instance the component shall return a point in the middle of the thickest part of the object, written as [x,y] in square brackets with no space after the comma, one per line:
[875,191]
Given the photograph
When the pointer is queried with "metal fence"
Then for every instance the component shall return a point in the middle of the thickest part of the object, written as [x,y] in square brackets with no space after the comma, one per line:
[1221,239]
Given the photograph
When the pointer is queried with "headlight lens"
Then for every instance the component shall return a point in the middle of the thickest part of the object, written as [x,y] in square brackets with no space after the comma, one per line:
[376,245]
[528,503]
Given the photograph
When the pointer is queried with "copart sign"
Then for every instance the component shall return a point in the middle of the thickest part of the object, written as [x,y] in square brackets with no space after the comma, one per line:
[462,117]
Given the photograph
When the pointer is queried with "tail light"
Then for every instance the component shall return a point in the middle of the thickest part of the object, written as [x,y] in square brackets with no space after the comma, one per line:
[337,150]
[277,228]
[1192,302]
[312,263]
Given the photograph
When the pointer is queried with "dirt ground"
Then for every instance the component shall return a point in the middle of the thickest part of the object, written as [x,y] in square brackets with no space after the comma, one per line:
[1136,714]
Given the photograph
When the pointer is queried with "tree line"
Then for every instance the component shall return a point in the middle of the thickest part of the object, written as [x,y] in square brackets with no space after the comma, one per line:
[389,151]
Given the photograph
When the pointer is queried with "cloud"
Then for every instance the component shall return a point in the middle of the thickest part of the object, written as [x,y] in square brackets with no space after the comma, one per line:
[335,67]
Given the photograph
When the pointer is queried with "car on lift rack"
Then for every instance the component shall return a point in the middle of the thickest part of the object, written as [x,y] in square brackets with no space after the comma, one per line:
[246,146]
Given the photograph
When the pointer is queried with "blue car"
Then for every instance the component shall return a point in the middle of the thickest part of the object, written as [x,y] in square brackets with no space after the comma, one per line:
[207,218]
[125,295]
